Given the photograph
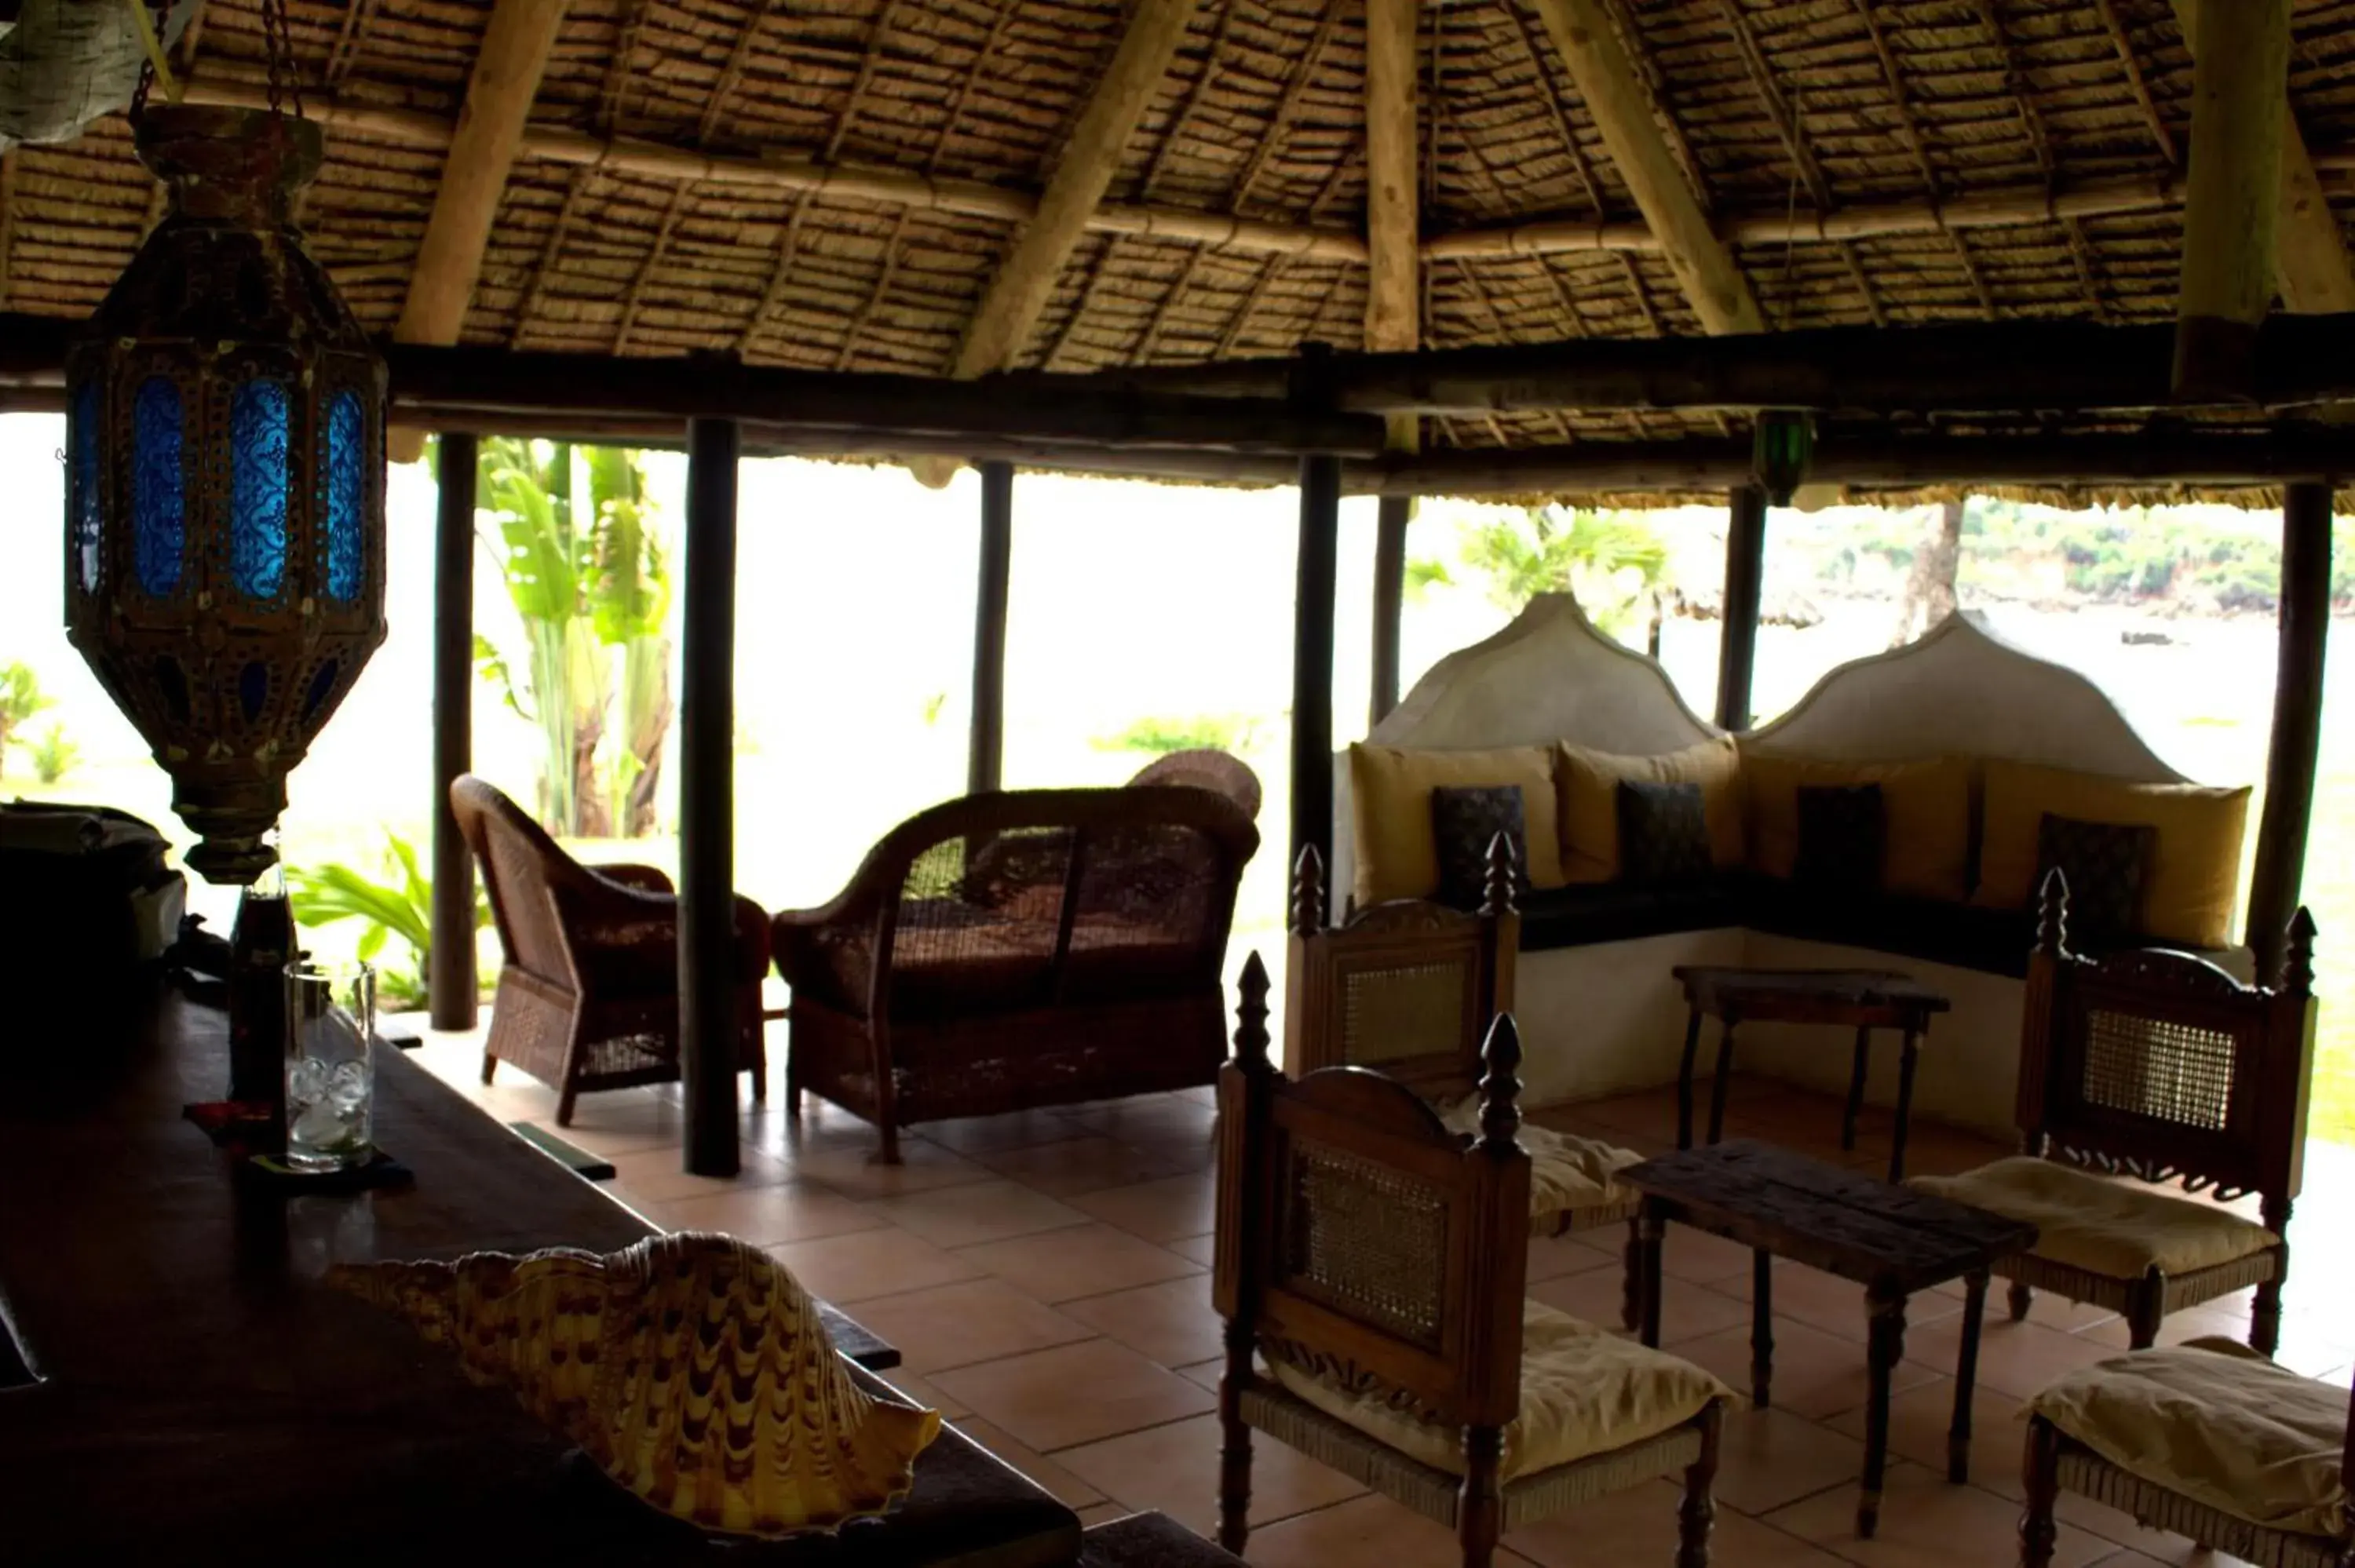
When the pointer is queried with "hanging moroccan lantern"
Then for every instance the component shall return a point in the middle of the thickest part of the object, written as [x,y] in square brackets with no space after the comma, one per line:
[225,503]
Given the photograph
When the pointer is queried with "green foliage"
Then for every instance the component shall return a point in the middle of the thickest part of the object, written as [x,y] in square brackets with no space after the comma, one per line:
[398,902]
[1228,732]
[53,756]
[1613,561]
[20,698]
[934,705]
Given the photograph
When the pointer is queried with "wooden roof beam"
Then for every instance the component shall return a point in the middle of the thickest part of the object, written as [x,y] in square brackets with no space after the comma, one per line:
[482,148]
[1704,266]
[1393,210]
[2231,205]
[2310,251]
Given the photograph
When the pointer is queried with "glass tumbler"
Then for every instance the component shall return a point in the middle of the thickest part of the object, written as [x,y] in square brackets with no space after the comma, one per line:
[330,1019]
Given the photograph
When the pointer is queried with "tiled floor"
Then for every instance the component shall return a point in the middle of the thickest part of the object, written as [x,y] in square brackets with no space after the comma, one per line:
[1046,1277]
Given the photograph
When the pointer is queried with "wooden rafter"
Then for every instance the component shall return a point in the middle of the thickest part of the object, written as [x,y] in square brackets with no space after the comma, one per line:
[628,23]
[192,35]
[867,60]
[789,246]
[1704,266]
[1142,353]
[1653,81]
[1086,295]
[2137,83]
[1896,80]
[482,148]
[875,296]
[357,15]
[2231,204]
[1552,101]
[1779,112]
[1184,118]
[1971,270]
[1393,205]
[1501,334]
[732,73]
[544,267]
[2089,272]
[1863,281]
[1287,105]
[2016,84]
[647,269]
[1241,321]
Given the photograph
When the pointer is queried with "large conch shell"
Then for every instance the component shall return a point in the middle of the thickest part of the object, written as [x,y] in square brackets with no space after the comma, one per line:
[692,1368]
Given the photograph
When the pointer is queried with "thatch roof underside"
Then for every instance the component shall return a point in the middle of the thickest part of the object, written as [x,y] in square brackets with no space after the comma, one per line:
[1776,108]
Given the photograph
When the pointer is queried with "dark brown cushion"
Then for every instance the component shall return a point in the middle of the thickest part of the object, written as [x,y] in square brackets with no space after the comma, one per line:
[1843,828]
[1464,820]
[1663,833]
[2108,865]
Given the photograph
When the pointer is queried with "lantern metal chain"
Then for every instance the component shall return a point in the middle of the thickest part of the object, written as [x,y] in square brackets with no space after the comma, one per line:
[285,84]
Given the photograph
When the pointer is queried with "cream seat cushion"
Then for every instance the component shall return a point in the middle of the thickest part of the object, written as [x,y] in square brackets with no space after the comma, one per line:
[1566,1171]
[1583,1391]
[2220,1425]
[2104,1228]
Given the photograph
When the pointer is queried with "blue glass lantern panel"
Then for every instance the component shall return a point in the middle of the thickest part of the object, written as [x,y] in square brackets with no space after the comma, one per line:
[321,683]
[254,689]
[159,515]
[257,489]
[347,487]
[83,543]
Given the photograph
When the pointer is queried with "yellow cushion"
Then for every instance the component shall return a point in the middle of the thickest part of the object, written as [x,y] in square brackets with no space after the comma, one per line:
[1589,784]
[2195,871]
[1583,1391]
[1567,1172]
[1926,805]
[1389,792]
[2110,1228]
[2219,1423]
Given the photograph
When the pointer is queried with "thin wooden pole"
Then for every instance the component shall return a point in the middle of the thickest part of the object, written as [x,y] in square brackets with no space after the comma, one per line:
[1392,515]
[1312,659]
[2232,200]
[2297,722]
[707,1003]
[1745,573]
[451,982]
[986,769]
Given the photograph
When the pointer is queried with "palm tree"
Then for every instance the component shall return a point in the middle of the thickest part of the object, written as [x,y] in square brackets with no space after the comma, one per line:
[1612,561]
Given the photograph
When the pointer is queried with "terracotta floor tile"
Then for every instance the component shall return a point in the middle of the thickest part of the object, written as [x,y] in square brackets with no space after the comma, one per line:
[1075,1394]
[1652,1112]
[976,1211]
[1160,1118]
[853,1170]
[1817,1376]
[656,1174]
[2191,1323]
[1206,1373]
[819,1123]
[1172,1323]
[1553,1257]
[1085,1164]
[1078,1260]
[1836,1306]
[885,1262]
[1701,1257]
[1365,1530]
[1015,1129]
[919,1390]
[1164,1211]
[1771,1457]
[1925,1524]
[1688,1311]
[764,1215]
[1068,1489]
[1175,1469]
[957,1325]
[1638,1528]
[1201,1249]
[1102,1513]
[2017,1359]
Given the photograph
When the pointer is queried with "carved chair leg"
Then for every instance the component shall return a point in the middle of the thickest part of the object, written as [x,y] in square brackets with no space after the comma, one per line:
[1480,1504]
[490,1065]
[1631,1287]
[2265,1313]
[1696,1514]
[2147,1310]
[2019,1299]
[2041,1475]
[1234,1470]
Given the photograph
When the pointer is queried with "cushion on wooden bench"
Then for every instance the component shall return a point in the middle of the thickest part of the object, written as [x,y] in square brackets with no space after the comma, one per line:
[2104,1228]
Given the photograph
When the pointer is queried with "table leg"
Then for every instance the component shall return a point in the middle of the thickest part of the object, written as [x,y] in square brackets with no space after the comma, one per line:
[1650,1230]
[1685,1080]
[1762,1326]
[1966,1372]
[1904,1104]
[1856,1087]
[1887,1345]
[1723,1081]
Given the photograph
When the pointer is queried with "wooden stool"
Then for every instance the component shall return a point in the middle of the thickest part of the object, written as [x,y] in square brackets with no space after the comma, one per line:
[1862,999]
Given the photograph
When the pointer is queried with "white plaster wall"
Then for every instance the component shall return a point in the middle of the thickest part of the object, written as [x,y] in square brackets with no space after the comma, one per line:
[1605,1019]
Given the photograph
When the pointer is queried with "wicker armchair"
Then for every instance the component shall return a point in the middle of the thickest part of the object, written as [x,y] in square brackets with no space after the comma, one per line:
[2206,1439]
[1368,1258]
[588,994]
[2158,1066]
[1409,989]
[1033,948]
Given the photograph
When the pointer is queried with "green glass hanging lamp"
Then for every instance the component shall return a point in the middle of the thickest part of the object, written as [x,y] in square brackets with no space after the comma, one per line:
[1782,446]
[225,495]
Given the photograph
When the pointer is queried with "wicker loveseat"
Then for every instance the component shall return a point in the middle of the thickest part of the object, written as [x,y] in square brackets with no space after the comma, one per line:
[1032,948]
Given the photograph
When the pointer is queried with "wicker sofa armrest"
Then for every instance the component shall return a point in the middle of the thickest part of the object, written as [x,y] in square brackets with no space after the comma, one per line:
[611,928]
[636,878]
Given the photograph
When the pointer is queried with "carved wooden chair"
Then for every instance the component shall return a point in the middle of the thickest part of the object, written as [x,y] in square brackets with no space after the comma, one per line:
[2158,1066]
[1369,1256]
[2207,1439]
[1409,988]
[588,995]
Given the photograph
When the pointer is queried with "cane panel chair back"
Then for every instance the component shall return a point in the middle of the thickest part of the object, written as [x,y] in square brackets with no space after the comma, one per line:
[522,868]
[1407,988]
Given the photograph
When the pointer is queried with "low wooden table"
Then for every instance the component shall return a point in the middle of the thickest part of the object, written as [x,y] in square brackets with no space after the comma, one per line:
[1888,1239]
[1861,999]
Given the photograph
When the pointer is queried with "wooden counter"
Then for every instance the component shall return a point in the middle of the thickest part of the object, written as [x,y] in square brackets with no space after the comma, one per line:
[208,1400]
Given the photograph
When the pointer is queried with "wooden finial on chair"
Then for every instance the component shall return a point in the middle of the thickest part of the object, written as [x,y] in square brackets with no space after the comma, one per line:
[2298,956]
[1500,1084]
[2052,914]
[1308,893]
[1497,890]
[1251,1017]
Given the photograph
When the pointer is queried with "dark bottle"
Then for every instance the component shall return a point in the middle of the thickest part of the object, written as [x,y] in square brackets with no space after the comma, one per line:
[261,943]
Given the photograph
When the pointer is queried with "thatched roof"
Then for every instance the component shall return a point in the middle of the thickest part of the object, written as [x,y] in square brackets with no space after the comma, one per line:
[667,196]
